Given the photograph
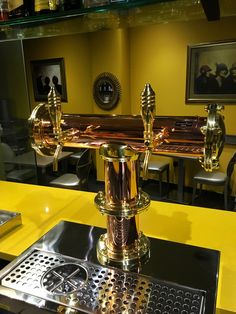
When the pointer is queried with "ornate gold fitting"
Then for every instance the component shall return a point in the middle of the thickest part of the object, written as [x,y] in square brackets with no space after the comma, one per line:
[123,245]
[214,136]
[47,137]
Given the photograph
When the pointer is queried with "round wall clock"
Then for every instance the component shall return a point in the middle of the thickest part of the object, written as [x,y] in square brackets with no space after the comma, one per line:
[106,91]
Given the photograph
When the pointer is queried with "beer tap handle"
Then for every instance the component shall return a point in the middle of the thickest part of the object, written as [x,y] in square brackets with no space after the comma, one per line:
[214,134]
[55,157]
[54,108]
[148,111]
[147,156]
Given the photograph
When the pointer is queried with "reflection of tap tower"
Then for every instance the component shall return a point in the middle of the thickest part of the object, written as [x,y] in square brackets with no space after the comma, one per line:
[119,140]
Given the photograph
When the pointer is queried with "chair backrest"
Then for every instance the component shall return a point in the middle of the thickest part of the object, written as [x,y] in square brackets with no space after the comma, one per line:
[230,167]
[85,157]
[83,168]
[7,156]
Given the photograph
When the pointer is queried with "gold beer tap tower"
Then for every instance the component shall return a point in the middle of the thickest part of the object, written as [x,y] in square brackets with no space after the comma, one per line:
[120,140]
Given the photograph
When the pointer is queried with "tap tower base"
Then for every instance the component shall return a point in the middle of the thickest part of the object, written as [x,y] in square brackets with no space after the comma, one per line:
[123,245]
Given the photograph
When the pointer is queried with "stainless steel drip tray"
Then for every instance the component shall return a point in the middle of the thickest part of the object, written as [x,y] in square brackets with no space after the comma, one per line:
[8,221]
[91,288]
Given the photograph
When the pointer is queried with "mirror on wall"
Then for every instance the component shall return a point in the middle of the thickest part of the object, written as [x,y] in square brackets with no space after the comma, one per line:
[15,148]
[122,52]
[106,91]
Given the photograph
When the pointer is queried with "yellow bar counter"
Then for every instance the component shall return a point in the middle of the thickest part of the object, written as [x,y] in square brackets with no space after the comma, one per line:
[42,208]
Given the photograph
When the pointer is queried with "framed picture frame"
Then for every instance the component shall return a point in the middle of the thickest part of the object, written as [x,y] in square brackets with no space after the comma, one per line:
[211,73]
[106,91]
[48,73]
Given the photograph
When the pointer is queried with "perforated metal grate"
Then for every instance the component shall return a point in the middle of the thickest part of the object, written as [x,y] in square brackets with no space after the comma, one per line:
[95,289]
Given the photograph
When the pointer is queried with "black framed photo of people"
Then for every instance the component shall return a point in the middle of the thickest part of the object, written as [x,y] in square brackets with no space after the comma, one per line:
[211,73]
[47,73]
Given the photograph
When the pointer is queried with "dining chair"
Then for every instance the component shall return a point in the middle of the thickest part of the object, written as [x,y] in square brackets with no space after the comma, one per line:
[79,179]
[12,171]
[215,178]
[156,168]
[73,159]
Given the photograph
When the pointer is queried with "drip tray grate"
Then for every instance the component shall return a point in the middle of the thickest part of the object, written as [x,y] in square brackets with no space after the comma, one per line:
[92,288]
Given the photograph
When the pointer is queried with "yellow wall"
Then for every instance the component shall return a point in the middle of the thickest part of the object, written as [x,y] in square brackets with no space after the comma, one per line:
[158,55]
[85,57]
[76,54]
[110,53]
[154,54]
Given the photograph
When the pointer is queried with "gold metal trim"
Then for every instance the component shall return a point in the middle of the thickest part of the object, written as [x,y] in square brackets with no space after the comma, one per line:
[126,259]
[124,209]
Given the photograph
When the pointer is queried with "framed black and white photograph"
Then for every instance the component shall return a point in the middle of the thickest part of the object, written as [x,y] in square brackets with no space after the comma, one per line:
[211,73]
[46,74]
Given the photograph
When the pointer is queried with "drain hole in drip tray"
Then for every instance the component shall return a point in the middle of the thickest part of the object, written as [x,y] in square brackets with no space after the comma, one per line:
[64,279]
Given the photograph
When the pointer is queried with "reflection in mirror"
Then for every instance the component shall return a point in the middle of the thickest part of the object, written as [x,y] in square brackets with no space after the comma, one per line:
[14,113]
[105,92]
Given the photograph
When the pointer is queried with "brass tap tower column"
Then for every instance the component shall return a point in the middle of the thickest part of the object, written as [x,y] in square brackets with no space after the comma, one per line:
[123,245]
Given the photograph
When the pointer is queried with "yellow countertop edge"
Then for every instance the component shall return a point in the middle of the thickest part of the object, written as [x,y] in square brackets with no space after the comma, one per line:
[43,207]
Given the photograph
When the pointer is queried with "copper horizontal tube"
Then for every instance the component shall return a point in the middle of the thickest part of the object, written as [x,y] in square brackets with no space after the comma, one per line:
[91,131]
[131,126]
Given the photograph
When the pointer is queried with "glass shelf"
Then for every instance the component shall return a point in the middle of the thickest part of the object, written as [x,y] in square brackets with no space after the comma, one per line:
[59,16]
[115,15]
[112,16]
